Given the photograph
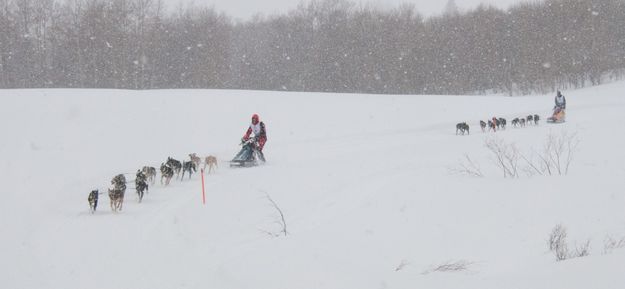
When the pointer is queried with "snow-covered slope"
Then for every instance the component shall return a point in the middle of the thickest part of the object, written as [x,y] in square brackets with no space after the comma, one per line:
[364,182]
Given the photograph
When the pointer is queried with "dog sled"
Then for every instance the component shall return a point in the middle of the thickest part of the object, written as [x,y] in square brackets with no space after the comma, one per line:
[249,155]
[559,116]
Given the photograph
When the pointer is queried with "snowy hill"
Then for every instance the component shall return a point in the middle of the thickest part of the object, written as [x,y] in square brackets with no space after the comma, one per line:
[365,182]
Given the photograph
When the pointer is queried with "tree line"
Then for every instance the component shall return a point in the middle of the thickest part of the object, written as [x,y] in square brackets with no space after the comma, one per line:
[322,45]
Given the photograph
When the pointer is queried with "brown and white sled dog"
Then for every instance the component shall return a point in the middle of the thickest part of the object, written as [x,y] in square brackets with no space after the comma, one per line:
[195,159]
[150,173]
[211,162]
[116,192]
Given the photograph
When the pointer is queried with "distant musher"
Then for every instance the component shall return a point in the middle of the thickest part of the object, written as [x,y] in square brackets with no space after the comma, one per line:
[559,110]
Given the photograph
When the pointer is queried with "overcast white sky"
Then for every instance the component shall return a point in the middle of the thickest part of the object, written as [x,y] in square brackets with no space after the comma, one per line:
[244,9]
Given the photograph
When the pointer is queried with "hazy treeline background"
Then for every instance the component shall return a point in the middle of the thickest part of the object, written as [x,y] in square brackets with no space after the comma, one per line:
[325,45]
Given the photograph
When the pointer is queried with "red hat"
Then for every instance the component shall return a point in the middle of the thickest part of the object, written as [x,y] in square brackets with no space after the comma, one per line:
[255,118]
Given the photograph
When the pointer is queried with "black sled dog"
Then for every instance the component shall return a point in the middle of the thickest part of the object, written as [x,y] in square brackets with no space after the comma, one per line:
[93,200]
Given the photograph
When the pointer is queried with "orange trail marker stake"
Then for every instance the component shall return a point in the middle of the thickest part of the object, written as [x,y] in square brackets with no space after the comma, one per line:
[203,194]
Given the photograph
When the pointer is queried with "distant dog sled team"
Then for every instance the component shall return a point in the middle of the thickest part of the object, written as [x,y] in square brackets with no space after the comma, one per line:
[255,138]
[498,123]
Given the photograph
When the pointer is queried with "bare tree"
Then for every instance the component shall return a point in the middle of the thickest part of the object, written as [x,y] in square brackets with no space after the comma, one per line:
[559,151]
[451,9]
[468,167]
[609,244]
[582,250]
[559,247]
[506,156]
[557,243]
[449,266]
[322,45]
[401,265]
[281,220]
[556,157]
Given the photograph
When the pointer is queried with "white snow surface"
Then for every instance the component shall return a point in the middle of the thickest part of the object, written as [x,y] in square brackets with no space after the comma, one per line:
[364,183]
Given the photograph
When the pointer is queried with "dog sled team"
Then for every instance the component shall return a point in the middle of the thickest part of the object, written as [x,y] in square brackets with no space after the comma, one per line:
[252,142]
[498,123]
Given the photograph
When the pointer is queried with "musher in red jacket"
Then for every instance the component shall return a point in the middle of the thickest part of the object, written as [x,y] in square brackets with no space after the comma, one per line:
[258,129]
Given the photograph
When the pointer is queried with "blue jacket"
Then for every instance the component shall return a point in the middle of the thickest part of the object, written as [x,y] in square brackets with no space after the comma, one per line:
[560,101]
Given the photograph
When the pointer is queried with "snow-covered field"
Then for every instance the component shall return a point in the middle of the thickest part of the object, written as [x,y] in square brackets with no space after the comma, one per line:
[364,182]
